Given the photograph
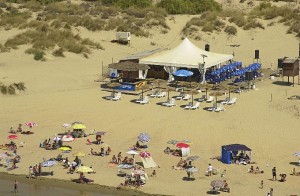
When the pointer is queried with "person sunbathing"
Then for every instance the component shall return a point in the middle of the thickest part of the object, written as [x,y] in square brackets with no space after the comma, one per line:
[108,151]
[167,150]
[226,187]
[125,160]
[93,152]
[180,163]
[12,131]
[283,177]
[251,170]
[114,159]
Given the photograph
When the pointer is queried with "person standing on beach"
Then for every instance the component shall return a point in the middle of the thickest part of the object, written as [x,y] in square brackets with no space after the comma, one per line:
[271,191]
[16,184]
[40,169]
[262,184]
[274,173]
[119,158]
[210,169]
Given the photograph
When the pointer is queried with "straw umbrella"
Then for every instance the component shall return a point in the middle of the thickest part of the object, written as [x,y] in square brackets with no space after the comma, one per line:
[168,90]
[193,92]
[158,82]
[113,85]
[206,86]
[229,88]
[145,87]
[216,94]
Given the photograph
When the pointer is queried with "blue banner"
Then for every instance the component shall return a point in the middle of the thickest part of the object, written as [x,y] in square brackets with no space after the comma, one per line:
[126,87]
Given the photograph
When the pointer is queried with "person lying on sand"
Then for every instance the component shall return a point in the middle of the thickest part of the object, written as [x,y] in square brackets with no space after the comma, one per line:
[12,131]
[93,152]
[295,173]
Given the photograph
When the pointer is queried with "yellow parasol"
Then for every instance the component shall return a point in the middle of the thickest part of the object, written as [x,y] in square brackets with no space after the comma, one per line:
[79,154]
[103,145]
[65,148]
[78,126]
[84,169]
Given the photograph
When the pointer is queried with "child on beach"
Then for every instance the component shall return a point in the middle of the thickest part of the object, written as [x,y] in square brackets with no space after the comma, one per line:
[16,184]
[262,184]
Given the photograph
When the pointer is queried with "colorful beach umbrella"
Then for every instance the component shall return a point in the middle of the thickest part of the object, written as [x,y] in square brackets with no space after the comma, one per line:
[182,145]
[48,163]
[183,73]
[79,154]
[103,145]
[78,126]
[297,154]
[192,158]
[67,138]
[144,137]
[56,138]
[65,148]
[12,137]
[145,154]
[84,169]
[125,166]
[66,125]
[31,124]
[132,152]
[217,183]
[192,169]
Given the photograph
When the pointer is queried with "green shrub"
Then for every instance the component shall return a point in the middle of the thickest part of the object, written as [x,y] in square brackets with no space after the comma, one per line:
[38,55]
[252,24]
[58,53]
[230,30]
[34,6]
[238,19]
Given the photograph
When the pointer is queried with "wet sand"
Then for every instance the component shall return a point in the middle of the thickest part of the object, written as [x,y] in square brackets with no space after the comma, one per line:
[49,187]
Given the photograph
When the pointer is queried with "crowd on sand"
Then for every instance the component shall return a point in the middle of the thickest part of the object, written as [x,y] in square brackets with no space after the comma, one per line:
[134,174]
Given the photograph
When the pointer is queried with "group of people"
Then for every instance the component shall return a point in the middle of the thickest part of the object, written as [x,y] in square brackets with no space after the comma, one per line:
[241,158]
[176,152]
[51,146]
[255,171]
[102,152]
[126,160]
[35,170]
[19,130]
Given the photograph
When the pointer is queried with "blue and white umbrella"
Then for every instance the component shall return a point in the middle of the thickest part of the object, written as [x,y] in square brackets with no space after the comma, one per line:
[48,163]
[125,166]
[297,154]
[183,73]
[144,137]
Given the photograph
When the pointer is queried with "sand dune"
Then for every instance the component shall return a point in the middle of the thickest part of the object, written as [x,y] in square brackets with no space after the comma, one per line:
[62,90]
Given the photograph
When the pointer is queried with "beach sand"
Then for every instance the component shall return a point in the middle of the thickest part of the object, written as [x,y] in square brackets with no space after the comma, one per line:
[62,90]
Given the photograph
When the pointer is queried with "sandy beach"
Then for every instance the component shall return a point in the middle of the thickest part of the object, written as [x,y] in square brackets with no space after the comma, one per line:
[63,90]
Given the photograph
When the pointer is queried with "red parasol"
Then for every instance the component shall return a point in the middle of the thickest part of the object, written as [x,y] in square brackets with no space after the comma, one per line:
[12,137]
[182,145]
[145,154]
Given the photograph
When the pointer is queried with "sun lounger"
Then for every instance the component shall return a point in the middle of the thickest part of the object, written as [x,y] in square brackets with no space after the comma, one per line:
[213,108]
[202,98]
[154,94]
[225,101]
[145,100]
[186,97]
[180,96]
[192,107]
[161,94]
[232,101]
[210,99]
[171,103]
[110,97]
[220,108]
[117,97]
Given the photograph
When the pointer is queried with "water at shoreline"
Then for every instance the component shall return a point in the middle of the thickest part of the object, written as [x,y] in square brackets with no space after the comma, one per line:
[25,189]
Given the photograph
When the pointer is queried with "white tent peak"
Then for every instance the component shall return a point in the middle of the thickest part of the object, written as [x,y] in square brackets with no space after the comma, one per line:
[186,54]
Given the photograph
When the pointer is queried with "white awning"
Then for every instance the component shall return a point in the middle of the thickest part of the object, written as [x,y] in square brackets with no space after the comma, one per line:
[186,55]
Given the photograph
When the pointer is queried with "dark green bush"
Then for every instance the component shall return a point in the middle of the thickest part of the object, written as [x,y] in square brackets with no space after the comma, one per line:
[38,55]
[230,30]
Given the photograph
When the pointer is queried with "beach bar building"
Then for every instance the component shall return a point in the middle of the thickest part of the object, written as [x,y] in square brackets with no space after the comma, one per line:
[290,68]
[164,62]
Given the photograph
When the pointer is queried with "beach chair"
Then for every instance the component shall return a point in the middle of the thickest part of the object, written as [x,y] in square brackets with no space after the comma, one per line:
[186,97]
[145,100]
[117,97]
[155,94]
[161,94]
[210,99]
[171,103]
[110,97]
[232,101]
[220,108]
[196,106]
[225,101]
[188,106]
[202,98]
[180,96]
[213,108]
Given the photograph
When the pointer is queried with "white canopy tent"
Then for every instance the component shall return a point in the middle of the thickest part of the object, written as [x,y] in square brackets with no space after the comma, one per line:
[186,55]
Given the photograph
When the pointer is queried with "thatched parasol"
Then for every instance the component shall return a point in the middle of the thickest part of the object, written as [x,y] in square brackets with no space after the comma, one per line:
[193,92]
[158,82]
[168,90]
[206,87]
[113,85]
[229,88]
[216,94]
[128,66]
[145,87]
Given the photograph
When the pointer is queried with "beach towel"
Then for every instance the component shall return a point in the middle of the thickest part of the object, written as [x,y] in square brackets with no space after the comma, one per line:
[111,164]
[148,162]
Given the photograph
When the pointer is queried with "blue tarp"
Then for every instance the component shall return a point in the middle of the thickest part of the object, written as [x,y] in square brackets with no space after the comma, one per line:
[227,150]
